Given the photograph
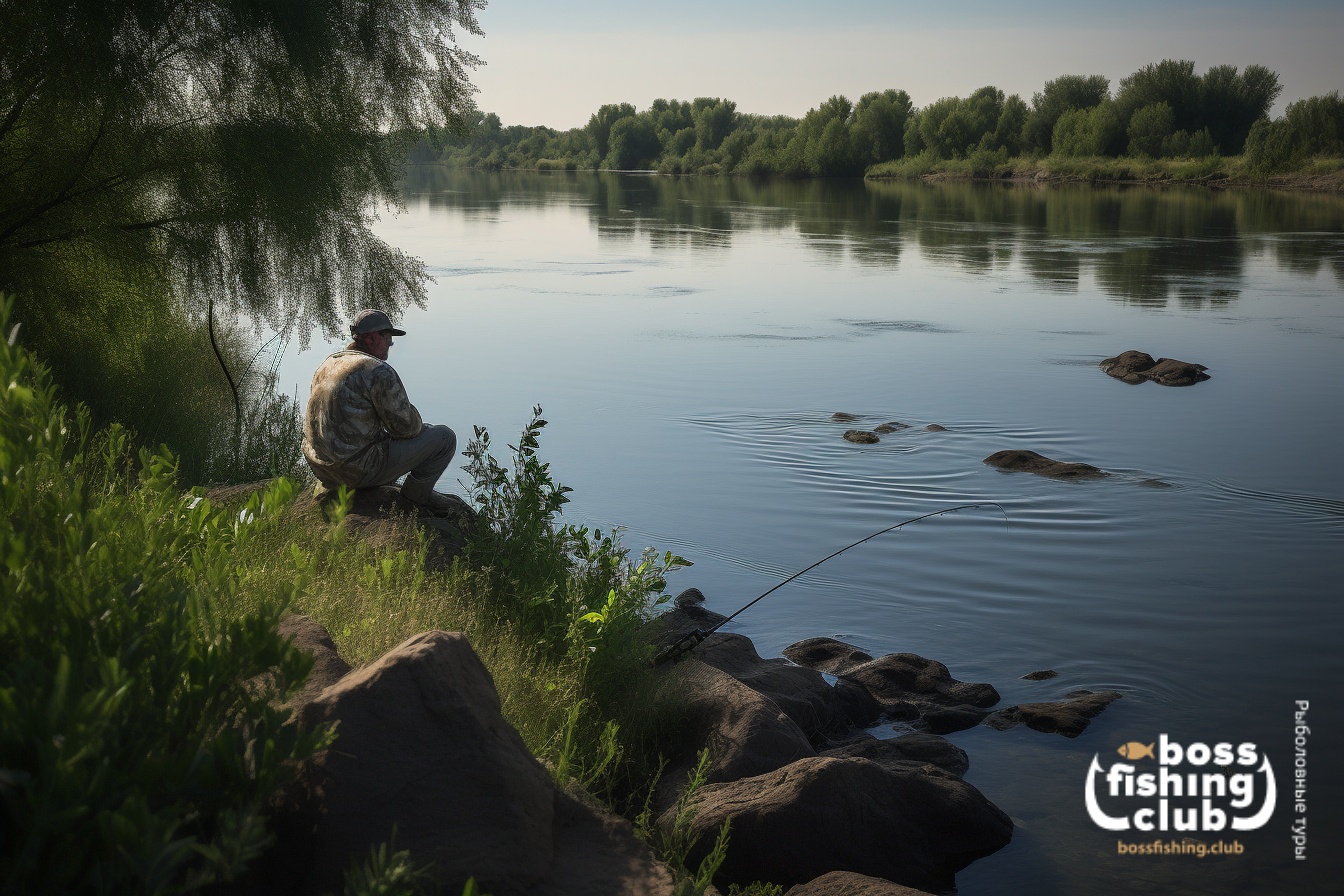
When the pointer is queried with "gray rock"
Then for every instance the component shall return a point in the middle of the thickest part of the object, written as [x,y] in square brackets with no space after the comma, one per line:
[907,678]
[861,437]
[916,827]
[1017,461]
[1135,367]
[421,747]
[1068,717]
[328,667]
[847,883]
[945,720]
[802,694]
[745,732]
[901,751]
[1170,372]
[826,655]
[1127,366]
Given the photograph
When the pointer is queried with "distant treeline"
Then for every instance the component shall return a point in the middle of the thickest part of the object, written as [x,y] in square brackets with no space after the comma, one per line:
[1163,110]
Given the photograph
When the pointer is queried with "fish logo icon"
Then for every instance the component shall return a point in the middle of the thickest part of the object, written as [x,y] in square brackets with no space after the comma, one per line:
[1135,750]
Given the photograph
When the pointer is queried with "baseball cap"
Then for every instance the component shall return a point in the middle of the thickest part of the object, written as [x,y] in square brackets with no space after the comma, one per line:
[372,320]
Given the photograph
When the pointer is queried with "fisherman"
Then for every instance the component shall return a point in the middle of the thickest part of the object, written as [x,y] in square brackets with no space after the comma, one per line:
[361,429]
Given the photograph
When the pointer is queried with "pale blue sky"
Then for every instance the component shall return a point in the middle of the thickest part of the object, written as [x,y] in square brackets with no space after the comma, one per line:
[554,63]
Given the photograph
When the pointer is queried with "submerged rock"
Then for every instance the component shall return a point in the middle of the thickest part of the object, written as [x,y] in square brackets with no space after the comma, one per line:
[945,720]
[935,427]
[1068,717]
[843,417]
[1169,372]
[890,427]
[1135,367]
[1019,461]
[1127,366]
[861,437]
[1042,675]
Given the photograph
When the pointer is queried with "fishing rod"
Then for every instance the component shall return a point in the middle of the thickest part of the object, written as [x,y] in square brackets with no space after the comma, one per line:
[688,642]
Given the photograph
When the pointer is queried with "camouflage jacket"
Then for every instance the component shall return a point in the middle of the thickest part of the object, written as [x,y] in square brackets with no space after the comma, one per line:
[355,406]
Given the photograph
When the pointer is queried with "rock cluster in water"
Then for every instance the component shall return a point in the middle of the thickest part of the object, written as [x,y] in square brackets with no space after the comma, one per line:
[873,436]
[791,765]
[1139,367]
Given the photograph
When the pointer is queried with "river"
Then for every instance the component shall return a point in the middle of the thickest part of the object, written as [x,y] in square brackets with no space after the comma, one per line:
[691,339]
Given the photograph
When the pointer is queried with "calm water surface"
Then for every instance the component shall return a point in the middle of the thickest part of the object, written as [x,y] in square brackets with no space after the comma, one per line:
[691,339]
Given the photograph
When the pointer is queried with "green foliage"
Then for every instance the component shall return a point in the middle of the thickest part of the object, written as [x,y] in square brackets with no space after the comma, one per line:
[1148,128]
[240,153]
[1317,124]
[1212,113]
[879,126]
[388,871]
[160,161]
[572,591]
[139,734]
[1063,94]
[675,843]
[1087,132]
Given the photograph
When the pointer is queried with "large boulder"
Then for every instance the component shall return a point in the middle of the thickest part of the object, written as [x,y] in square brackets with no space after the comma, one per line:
[422,749]
[913,826]
[899,680]
[1069,717]
[744,731]
[596,853]
[802,694]
[312,638]
[847,883]
[1020,461]
[908,749]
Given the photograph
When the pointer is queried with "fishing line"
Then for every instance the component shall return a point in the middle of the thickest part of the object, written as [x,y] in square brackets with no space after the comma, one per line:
[686,643]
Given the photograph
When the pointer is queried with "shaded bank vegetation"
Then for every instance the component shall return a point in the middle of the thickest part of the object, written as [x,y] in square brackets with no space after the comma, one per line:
[1162,111]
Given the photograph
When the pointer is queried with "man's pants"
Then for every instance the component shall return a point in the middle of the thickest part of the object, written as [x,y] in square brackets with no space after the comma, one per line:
[422,458]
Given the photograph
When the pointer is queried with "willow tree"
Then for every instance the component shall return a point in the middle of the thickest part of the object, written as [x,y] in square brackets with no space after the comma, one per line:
[222,156]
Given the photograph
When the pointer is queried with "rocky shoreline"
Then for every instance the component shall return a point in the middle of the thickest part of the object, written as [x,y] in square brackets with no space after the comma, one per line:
[817,804]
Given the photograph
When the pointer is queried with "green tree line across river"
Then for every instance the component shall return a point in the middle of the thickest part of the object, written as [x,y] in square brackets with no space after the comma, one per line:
[1164,110]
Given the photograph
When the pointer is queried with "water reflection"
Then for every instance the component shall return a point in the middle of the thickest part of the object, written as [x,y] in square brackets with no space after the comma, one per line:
[1186,248]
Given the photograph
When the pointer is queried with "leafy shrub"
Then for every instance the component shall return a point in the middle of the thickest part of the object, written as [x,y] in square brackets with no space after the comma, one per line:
[139,734]
[572,591]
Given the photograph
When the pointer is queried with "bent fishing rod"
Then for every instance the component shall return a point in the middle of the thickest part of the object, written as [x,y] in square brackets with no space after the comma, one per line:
[688,642]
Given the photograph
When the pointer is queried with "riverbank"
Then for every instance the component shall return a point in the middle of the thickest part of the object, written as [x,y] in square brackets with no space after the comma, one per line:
[1318,176]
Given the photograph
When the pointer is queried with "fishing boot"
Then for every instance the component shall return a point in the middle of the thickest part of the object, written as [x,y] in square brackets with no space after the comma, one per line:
[420,492]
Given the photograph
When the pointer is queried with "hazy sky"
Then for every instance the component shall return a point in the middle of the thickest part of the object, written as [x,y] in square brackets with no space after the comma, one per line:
[555,63]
